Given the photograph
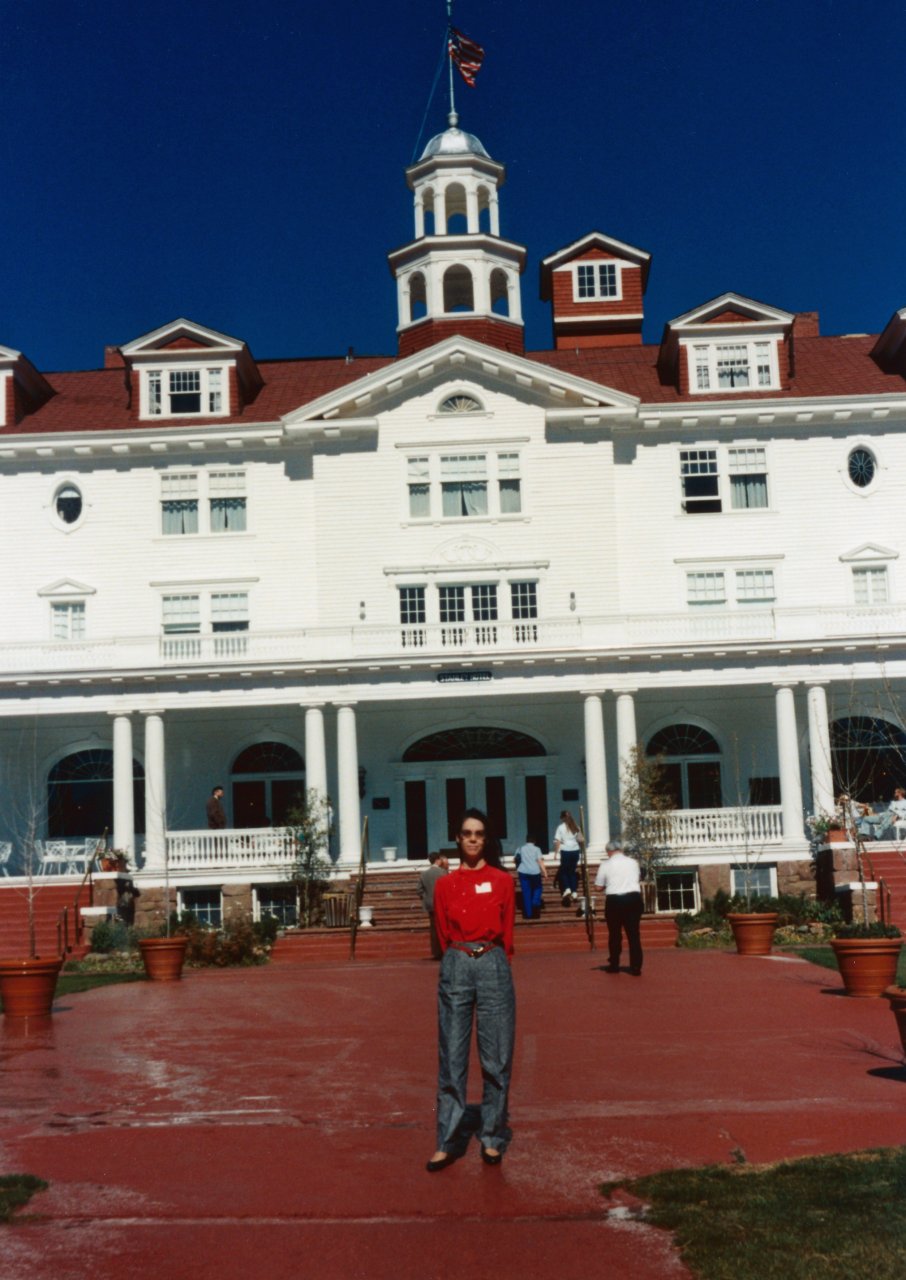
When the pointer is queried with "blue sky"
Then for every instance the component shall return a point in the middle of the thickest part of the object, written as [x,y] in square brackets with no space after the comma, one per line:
[243,165]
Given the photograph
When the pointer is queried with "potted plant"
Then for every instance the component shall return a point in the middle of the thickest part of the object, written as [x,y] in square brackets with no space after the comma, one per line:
[27,985]
[164,954]
[867,956]
[896,998]
[753,928]
[825,828]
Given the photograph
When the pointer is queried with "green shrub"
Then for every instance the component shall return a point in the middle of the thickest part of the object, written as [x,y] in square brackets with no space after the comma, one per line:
[856,929]
[238,942]
[266,929]
[112,935]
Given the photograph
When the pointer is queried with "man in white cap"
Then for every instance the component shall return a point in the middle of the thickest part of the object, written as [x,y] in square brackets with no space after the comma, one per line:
[619,876]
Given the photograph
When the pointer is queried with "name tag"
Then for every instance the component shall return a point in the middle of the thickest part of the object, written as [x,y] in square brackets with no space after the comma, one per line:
[484,887]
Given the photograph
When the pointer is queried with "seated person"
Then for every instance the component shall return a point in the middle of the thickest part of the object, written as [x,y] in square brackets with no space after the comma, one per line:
[855,815]
[896,813]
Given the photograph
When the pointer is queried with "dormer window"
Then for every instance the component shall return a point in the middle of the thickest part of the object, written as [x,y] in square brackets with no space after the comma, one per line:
[596,280]
[734,366]
[183,393]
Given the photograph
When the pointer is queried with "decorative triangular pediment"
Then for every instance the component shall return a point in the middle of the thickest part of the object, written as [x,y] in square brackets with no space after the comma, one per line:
[181,335]
[356,405]
[732,309]
[594,242]
[869,552]
[66,588]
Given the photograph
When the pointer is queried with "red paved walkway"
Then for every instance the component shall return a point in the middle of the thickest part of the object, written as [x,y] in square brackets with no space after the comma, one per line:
[274,1123]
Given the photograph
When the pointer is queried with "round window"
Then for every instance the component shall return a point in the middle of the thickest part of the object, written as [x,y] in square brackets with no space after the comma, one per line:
[861,467]
[68,504]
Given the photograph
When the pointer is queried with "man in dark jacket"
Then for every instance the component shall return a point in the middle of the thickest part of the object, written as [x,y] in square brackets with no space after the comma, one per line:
[427,882]
[215,810]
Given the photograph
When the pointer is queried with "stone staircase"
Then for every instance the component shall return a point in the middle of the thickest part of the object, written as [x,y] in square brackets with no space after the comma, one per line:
[889,865]
[400,928]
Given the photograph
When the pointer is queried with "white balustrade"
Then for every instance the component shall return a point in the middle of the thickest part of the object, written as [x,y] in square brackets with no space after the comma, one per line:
[248,847]
[752,826]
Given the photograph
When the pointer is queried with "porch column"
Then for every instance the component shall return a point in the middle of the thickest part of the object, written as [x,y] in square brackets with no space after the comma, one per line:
[348,785]
[820,749]
[598,832]
[315,750]
[155,794]
[788,759]
[626,738]
[123,835]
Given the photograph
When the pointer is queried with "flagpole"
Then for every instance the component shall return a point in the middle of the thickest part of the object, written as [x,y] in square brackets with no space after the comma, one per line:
[452,118]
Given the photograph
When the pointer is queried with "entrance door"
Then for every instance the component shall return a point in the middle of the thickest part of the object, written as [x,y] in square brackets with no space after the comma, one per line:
[536,811]
[416,820]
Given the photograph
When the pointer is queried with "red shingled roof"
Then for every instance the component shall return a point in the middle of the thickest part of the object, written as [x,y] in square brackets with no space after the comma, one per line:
[97,400]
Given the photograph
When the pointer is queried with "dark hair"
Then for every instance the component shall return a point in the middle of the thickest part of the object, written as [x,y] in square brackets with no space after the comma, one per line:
[217,788]
[492,850]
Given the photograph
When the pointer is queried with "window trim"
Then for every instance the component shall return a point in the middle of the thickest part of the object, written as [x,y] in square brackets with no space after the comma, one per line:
[597,296]
[877,481]
[870,572]
[71,603]
[496,473]
[723,453]
[165,369]
[738,868]
[709,345]
[205,495]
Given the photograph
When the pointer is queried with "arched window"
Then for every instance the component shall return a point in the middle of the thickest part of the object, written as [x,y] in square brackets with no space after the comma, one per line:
[418,298]
[80,795]
[458,291]
[484,210]
[691,764]
[500,292]
[428,205]
[474,744]
[455,206]
[268,780]
[868,755]
[460,403]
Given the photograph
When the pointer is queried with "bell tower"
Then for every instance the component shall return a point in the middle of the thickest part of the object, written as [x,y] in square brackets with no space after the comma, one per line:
[457,275]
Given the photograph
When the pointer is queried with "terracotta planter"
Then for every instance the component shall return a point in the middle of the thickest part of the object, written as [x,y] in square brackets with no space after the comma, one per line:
[867,965]
[27,986]
[836,836]
[753,931]
[896,997]
[163,957]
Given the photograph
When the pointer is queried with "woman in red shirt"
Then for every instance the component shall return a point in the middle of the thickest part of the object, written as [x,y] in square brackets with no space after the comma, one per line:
[474,910]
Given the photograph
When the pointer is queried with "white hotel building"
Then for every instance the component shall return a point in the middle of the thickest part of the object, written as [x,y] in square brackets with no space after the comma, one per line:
[465,573]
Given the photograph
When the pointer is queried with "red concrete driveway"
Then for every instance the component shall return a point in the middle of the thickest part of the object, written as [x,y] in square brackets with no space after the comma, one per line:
[275,1122]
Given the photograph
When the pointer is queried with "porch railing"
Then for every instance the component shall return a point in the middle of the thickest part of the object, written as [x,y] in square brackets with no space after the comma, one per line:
[752,825]
[249,847]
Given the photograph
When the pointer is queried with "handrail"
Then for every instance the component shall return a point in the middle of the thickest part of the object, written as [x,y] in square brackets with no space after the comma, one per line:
[63,918]
[359,890]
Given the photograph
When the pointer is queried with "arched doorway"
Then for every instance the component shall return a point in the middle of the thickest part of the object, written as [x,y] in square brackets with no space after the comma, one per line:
[267,779]
[691,764]
[868,755]
[80,795]
[482,767]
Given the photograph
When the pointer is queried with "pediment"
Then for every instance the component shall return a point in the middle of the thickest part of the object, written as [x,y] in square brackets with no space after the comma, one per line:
[732,309]
[869,552]
[355,406]
[182,335]
[66,588]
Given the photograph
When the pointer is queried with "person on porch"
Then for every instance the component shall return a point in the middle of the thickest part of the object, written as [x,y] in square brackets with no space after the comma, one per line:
[215,811]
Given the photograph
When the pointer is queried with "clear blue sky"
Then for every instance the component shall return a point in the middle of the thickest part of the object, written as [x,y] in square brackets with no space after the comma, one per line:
[242,164]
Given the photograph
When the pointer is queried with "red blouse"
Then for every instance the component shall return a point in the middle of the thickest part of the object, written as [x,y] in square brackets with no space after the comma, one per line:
[475,906]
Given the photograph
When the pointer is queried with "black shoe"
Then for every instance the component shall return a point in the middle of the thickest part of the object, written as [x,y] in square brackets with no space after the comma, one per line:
[612,968]
[491,1159]
[435,1166]
[636,973]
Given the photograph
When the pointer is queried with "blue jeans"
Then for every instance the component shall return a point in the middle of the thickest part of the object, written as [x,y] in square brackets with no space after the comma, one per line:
[481,991]
[531,895]
[569,862]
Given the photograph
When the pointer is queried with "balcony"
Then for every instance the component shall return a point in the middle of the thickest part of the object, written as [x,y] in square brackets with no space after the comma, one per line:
[610,633]
[751,827]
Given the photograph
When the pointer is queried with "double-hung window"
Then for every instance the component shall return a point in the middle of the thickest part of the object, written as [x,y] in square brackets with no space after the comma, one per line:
[706,588]
[413,617]
[701,480]
[755,586]
[229,616]
[203,502]
[185,393]
[464,485]
[524,611]
[179,502]
[596,280]
[187,616]
[182,625]
[67,620]
[226,491]
[748,470]
[717,479]
[734,366]
[870,584]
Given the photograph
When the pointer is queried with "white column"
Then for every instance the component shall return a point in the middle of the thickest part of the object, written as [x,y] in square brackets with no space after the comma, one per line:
[495,215]
[419,215]
[788,759]
[598,832]
[626,738]
[348,785]
[472,210]
[820,749]
[123,794]
[515,295]
[440,212]
[315,751]
[155,793]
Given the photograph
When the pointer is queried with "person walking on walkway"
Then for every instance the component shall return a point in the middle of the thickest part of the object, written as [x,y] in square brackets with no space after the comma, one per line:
[620,876]
[532,873]
[567,838]
[427,883]
[474,909]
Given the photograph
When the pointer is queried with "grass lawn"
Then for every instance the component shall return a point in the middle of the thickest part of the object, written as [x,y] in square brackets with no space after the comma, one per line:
[824,956]
[16,1190]
[823,1218]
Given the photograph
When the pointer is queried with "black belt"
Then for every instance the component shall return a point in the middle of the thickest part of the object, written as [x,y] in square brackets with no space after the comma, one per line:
[475,949]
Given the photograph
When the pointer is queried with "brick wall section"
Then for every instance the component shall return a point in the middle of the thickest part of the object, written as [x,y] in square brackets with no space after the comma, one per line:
[237,900]
[494,332]
[613,333]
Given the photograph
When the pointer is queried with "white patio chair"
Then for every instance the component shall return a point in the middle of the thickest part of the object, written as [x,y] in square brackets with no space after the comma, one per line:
[56,854]
[6,849]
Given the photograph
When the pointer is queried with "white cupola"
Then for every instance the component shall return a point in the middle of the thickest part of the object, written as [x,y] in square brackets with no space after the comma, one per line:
[457,275]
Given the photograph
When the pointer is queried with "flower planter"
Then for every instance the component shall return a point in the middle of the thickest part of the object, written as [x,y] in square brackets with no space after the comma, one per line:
[753,931]
[836,836]
[163,958]
[867,965]
[896,997]
[27,986]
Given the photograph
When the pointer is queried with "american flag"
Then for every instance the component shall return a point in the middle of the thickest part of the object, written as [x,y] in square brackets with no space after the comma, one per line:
[467,56]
